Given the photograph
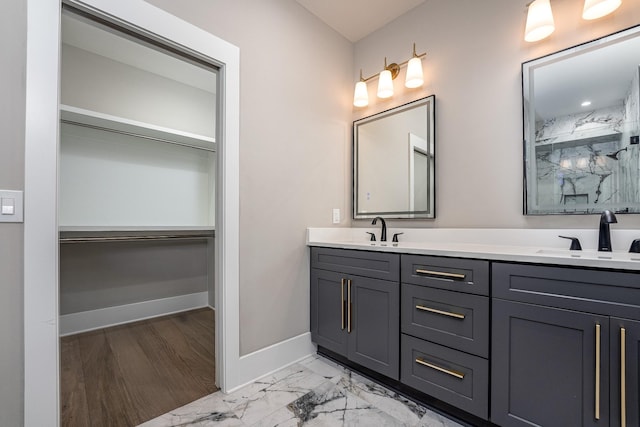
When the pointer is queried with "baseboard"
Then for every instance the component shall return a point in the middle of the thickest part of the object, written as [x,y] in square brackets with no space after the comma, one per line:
[111,316]
[270,359]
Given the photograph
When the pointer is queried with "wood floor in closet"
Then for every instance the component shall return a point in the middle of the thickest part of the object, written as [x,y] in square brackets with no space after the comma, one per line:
[128,374]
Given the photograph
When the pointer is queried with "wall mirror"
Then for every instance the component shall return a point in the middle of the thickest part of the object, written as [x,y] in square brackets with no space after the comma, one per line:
[394,162]
[580,105]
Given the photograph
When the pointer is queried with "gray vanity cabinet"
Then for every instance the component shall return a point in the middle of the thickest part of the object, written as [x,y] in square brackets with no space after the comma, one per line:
[445,330]
[544,366]
[355,300]
[625,372]
[556,346]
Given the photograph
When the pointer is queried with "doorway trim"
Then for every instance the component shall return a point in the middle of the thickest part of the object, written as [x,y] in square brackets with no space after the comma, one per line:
[41,287]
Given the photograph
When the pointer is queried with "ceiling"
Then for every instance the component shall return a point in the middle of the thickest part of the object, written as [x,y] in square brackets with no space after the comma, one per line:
[356,19]
[601,73]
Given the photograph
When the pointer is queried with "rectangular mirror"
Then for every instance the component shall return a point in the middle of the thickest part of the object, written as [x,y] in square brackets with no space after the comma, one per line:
[394,162]
[580,105]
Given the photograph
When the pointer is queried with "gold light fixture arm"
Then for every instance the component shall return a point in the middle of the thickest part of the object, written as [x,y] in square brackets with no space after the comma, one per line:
[394,67]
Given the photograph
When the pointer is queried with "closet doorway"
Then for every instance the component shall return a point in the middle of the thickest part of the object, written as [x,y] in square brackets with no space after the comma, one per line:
[136,212]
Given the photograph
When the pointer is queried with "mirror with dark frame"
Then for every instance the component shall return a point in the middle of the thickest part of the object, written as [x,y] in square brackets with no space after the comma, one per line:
[580,105]
[394,162]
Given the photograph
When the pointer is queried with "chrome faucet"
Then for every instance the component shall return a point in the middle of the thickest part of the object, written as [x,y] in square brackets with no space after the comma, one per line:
[604,237]
[383,235]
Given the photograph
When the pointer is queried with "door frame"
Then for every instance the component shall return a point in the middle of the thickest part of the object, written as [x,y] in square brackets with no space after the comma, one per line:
[41,287]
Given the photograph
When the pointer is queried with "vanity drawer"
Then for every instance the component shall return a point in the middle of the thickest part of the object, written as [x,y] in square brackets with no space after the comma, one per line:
[457,378]
[457,320]
[594,291]
[377,265]
[455,274]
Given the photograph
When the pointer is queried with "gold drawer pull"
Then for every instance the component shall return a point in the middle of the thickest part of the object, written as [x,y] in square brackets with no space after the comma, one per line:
[441,274]
[456,374]
[597,411]
[342,302]
[349,306]
[436,311]
[623,379]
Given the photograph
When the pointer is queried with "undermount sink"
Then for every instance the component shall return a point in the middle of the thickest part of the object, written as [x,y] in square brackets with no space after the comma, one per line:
[591,254]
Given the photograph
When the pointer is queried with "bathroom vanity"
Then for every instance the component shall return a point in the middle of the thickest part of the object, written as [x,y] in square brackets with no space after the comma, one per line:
[509,335]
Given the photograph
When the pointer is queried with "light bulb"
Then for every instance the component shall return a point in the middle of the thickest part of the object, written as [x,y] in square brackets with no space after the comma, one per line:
[361,94]
[594,9]
[414,73]
[539,21]
[385,84]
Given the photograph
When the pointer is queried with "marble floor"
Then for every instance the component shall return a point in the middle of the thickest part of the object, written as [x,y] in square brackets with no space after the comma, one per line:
[312,392]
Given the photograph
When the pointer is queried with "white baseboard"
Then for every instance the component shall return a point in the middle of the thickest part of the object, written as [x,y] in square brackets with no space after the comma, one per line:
[111,316]
[273,358]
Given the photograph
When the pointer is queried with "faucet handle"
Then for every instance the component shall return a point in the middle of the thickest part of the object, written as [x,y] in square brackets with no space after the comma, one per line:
[373,237]
[395,237]
[635,246]
[575,243]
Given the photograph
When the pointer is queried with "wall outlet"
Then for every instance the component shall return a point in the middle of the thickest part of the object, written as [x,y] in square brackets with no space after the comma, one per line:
[336,215]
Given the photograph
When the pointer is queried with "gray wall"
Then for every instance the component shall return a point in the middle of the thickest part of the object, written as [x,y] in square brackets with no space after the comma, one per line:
[100,275]
[12,103]
[474,54]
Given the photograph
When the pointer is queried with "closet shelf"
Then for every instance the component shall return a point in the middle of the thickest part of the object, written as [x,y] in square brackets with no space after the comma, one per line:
[109,123]
[126,234]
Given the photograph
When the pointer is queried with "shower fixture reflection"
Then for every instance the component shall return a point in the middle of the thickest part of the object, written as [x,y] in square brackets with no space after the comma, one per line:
[614,156]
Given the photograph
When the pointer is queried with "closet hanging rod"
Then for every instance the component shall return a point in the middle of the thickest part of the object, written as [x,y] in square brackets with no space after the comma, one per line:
[133,238]
[137,135]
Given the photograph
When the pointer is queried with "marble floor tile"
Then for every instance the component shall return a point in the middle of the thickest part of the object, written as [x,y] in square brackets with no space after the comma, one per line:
[315,392]
[209,411]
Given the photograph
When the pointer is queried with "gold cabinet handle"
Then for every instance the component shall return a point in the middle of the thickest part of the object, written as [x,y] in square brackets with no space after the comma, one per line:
[444,274]
[456,374]
[597,412]
[623,380]
[342,302]
[349,306]
[444,313]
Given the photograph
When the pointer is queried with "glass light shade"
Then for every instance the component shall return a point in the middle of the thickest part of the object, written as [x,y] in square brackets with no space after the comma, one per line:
[361,94]
[385,84]
[594,9]
[414,73]
[539,21]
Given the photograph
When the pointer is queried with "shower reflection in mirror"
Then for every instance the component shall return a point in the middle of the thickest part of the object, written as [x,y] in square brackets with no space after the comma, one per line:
[581,111]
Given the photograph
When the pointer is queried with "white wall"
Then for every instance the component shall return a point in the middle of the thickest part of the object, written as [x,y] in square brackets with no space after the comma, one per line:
[474,53]
[108,179]
[295,143]
[88,82]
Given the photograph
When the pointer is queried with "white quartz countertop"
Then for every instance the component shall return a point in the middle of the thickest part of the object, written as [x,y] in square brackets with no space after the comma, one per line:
[541,246]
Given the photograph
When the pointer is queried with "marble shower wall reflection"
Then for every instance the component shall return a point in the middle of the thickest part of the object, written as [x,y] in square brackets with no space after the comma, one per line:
[586,162]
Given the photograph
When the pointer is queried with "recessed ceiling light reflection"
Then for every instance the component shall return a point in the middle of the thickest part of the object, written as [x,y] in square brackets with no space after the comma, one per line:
[586,103]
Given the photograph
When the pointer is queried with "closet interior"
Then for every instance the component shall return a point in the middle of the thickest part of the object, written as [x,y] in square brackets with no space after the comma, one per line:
[137,193]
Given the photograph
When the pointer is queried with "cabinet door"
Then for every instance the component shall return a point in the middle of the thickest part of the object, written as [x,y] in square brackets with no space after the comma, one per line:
[549,367]
[374,340]
[328,311]
[625,334]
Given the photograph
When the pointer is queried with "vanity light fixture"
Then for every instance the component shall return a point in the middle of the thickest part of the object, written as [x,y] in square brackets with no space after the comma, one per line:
[385,81]
[540,18]
[361,94]
[539,21]
[594,9]
[414,78]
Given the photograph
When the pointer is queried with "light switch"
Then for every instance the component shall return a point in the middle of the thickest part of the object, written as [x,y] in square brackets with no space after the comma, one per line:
[336,215]
[11,209]
[8,206]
